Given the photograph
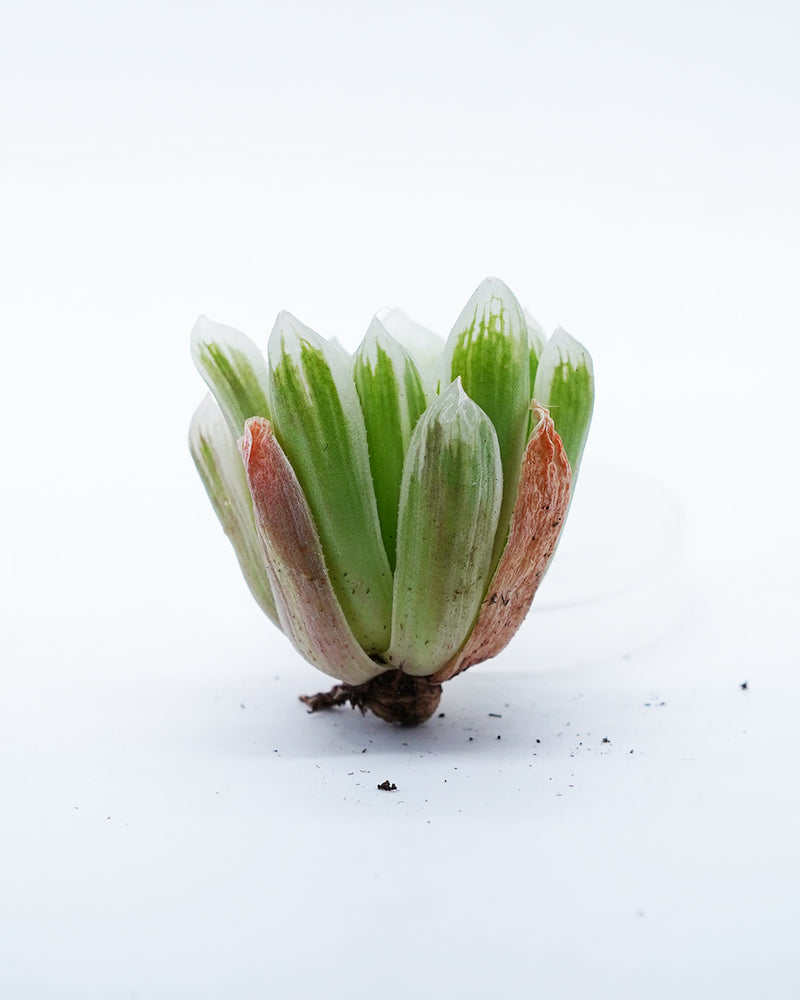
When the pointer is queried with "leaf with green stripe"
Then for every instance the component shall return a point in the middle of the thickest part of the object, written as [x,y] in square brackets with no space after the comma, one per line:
[488,348]
[221,469]
[319,425]
[234,370]
[565,385]
[392,400]
[450,500]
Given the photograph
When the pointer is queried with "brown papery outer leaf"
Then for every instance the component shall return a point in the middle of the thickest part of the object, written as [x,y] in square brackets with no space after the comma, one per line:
[309,612]
[536,522]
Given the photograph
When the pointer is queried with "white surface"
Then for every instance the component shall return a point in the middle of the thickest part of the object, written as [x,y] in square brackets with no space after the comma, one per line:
[173,824]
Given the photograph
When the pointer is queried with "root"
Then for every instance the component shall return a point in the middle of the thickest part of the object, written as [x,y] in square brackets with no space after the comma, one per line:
[393,696]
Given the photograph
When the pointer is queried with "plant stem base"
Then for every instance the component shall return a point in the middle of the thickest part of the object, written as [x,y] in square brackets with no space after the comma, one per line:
[393,696]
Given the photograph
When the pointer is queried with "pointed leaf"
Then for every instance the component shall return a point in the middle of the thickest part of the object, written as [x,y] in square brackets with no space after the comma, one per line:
[234,370]
[536,523]
[318,422]
[488,348]
[449,505]
[309,611]
[219,463]
[392,400]
[424,346]
[565,385]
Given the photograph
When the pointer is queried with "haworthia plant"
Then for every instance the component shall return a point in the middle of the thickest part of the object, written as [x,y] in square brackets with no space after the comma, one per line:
[394,512]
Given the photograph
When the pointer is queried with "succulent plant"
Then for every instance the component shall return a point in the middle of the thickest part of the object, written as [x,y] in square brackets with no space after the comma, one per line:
[393,512]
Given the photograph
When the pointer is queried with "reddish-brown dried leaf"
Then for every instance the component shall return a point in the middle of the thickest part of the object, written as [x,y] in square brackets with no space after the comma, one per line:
[309,612]
[536,523]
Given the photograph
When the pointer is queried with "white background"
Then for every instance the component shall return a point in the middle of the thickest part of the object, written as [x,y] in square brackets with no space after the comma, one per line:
[172,823]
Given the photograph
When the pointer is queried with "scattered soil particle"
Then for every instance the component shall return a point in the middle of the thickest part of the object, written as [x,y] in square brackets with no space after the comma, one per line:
[743,685]
[495,715]
[605,739]
[440,715]
[387,786]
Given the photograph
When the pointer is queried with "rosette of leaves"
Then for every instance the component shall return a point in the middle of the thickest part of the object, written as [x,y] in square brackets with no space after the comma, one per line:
[394,512]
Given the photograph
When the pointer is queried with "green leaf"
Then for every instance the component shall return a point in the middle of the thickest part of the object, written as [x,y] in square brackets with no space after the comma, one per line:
[318,422]
[450,501]
[219,463]
[234,370]
[392,400]
[488,348]
[309,610]
[565,385]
